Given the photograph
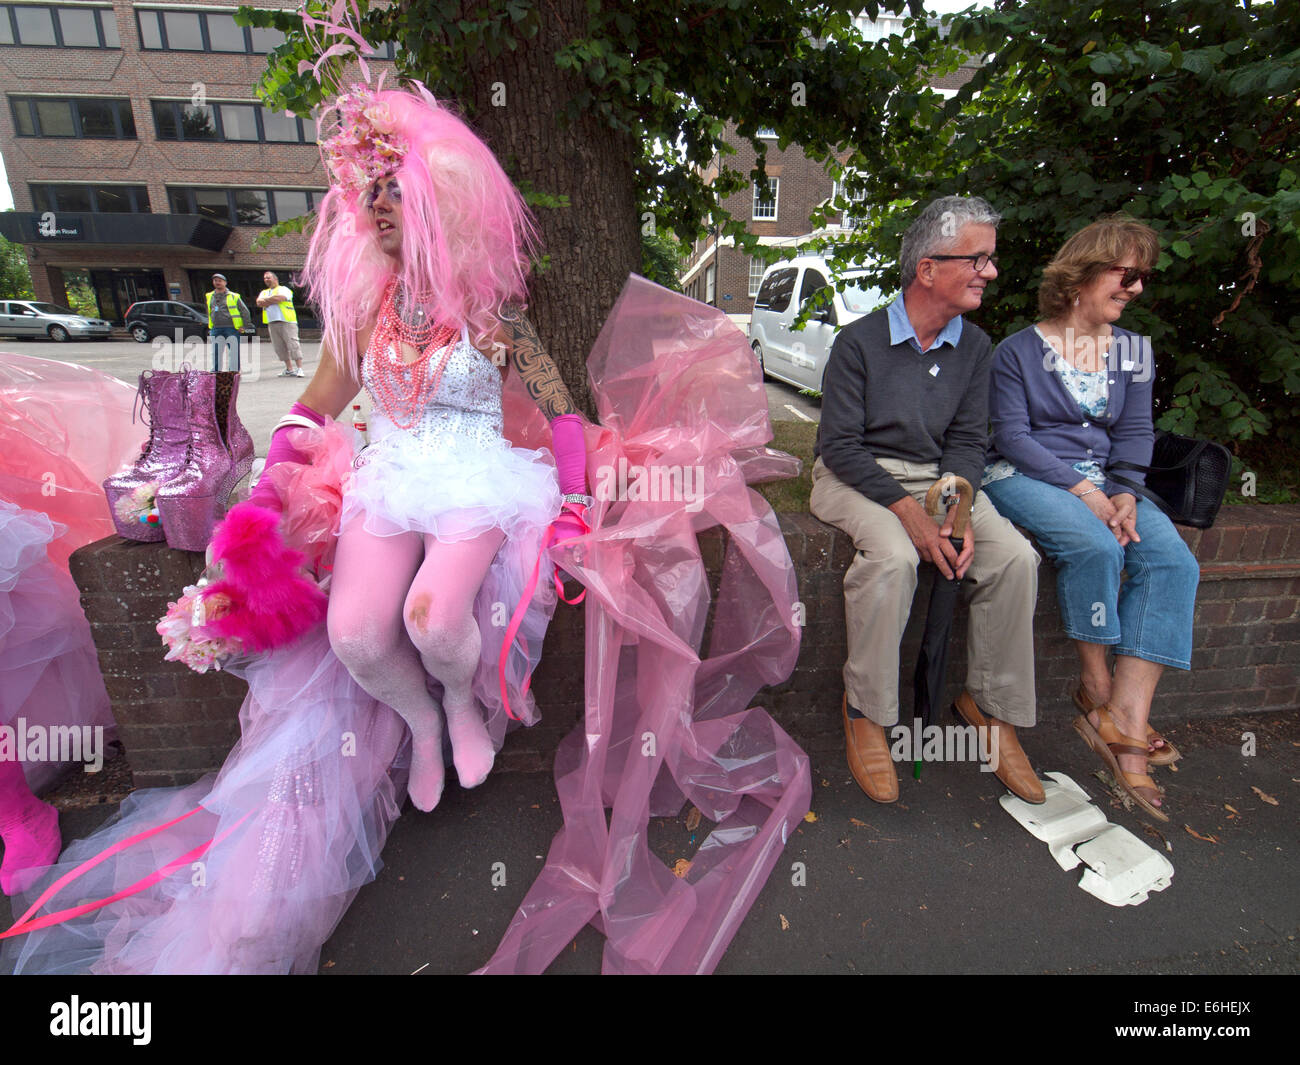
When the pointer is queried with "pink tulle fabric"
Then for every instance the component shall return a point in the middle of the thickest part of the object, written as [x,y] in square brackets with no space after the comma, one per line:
[49,675]
[63,430]
[676,386]
[301,819]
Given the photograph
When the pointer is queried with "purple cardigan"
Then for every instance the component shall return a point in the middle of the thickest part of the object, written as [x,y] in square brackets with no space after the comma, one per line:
[1038,426]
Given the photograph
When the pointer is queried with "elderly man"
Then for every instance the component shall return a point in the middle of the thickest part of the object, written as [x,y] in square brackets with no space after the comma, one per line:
[905,402]
[227,314]
[281,321]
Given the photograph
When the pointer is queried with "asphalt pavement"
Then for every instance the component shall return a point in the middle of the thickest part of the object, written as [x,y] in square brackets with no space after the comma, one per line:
[944,881]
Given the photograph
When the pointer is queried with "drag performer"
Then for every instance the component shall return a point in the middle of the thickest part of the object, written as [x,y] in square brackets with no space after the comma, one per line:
[418,263]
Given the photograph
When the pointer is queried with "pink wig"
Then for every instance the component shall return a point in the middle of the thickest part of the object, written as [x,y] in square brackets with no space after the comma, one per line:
[467,236]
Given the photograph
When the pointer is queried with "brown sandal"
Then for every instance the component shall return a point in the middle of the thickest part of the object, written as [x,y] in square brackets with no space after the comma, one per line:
[1108,742]
[1166,754]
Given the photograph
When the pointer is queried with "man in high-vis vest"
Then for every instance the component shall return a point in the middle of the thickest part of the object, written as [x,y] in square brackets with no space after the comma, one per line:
[281,321]
[227,314]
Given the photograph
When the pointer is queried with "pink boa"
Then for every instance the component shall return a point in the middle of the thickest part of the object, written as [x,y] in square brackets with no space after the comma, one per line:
[272,601]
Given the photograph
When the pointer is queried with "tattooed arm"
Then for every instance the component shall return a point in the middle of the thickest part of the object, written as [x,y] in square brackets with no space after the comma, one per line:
[538,373]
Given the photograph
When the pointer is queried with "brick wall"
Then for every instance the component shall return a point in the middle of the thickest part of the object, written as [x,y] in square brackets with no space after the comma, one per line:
[176,724]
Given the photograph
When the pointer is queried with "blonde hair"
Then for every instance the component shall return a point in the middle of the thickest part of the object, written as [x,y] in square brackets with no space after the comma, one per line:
[1090,253]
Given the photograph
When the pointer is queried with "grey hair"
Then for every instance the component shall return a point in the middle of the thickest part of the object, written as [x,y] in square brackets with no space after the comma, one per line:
[939,226]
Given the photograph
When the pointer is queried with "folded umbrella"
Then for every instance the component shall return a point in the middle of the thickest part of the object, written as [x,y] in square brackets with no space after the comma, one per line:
[929,680]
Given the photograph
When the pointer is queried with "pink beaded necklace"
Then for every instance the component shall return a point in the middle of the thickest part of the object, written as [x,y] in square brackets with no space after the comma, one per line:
[404,388]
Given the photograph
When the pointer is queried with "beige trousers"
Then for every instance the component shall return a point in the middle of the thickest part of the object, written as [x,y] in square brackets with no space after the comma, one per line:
[1001,588]
[284,339]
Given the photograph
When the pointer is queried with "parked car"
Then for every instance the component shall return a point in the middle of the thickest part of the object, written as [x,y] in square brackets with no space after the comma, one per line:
[31,318]
[798,357]
[162,318]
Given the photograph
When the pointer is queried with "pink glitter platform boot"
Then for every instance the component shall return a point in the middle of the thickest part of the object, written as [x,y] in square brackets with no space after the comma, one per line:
[219,454]
[162,398]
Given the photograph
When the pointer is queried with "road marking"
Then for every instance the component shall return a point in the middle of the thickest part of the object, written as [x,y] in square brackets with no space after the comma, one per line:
[798,413]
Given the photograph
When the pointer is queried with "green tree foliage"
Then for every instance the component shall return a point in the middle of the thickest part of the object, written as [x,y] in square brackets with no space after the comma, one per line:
[15,278]
[1185,113]
[672,73]
[661,259]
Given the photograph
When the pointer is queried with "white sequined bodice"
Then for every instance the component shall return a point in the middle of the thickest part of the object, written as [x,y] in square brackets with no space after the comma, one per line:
[466,405]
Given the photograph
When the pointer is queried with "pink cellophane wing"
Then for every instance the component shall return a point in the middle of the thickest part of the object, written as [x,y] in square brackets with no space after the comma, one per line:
[64,429]
[677,389]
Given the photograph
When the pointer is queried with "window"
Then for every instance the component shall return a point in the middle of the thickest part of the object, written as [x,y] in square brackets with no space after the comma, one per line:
[181,120]
[35,25]
[756,268]
[765,200]
[813,282]
[710,276]
[777,290]
[242,207]
[264,40]
[290,203]
[52,26]
[55,116]
[239,122]
[186,30]
[224,35]
[93,199]
[839,192]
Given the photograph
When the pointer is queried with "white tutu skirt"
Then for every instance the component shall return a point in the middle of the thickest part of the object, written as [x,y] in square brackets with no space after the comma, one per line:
[454,487]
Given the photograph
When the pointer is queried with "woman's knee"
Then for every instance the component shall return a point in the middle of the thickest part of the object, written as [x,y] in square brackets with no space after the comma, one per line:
[438,633]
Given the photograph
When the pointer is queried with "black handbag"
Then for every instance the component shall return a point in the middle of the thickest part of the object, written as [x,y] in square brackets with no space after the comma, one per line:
[1187,478]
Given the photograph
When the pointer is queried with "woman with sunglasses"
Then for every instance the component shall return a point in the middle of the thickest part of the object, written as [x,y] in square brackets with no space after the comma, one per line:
[1069,397]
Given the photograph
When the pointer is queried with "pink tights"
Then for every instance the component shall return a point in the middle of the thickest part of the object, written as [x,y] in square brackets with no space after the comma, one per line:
[402,607]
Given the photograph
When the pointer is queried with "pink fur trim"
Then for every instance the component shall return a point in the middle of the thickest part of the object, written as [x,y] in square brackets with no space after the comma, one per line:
[273,601]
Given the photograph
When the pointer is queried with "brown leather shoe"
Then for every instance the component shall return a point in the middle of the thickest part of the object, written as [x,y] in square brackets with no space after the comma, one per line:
[1013,767]
[869,760]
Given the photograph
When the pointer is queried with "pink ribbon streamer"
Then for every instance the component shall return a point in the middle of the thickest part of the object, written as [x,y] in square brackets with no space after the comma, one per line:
[677,388]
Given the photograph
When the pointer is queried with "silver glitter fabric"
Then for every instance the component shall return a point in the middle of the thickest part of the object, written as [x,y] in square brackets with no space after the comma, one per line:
[295,786]
[467,404]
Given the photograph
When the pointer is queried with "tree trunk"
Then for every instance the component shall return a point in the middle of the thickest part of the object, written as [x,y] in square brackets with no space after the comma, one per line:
[516,101]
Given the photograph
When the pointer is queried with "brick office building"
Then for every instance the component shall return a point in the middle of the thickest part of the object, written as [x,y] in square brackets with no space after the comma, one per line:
[139,157]
[715,271]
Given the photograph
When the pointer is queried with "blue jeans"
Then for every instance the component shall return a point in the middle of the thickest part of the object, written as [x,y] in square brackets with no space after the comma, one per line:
[1147,616]
[228,337]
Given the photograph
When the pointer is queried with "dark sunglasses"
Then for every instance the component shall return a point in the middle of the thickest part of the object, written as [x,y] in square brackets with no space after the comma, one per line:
[979,262]
[1131,274]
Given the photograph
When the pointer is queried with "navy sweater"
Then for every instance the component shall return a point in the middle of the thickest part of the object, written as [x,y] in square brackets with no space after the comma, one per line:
[885,400]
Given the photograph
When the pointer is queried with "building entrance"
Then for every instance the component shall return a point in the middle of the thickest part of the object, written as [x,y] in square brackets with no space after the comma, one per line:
[116,290]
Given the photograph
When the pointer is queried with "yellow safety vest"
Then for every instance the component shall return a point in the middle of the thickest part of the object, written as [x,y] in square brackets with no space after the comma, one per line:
[232,305]
[290,315]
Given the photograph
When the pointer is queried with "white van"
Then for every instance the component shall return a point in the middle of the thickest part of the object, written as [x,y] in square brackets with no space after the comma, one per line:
[799,357]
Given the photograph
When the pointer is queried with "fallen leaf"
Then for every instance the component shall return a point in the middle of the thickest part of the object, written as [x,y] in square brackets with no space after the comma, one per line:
[1230,809]
[1192,832]
[810,817]
[976,824]
[681,867]
[328,965]
[1264,795]
[785,925]
[855,821]
[693,819]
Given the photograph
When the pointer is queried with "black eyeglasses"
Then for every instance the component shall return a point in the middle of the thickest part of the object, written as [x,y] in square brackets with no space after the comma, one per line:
[979,262]
[1131,274]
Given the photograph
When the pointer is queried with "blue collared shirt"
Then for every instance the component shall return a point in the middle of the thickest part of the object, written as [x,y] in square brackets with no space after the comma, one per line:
[900,328]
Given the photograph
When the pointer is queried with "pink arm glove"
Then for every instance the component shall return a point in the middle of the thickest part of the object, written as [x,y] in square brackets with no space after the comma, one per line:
[570,450]
[281,451]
